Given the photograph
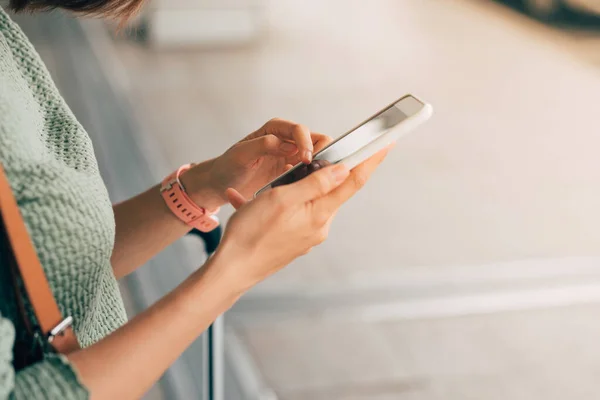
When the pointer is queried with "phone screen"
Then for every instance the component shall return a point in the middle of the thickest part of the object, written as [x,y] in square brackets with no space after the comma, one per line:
[347,144]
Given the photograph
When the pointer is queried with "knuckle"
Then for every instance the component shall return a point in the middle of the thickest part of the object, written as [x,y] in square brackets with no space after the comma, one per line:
[321,236]
[276,199]
[320,219]
[360,180]
[322,183]
[300,128]
[270,141]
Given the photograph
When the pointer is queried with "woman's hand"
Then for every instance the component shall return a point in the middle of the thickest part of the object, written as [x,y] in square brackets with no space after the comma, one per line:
[145,225]
[269,232]
[254,161]
[262,236]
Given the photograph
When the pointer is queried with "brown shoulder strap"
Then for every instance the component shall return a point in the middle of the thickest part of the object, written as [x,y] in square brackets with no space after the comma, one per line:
[54,327]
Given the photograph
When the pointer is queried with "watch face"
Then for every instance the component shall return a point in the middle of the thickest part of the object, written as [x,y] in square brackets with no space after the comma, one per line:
[300,172]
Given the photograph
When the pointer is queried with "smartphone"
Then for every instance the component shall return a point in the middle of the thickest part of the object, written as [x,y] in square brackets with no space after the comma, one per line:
[363,141]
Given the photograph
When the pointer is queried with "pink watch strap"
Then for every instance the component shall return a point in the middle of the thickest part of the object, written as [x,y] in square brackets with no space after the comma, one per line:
[183,206]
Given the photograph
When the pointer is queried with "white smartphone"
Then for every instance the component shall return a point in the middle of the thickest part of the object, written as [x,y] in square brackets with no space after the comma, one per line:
[363,141]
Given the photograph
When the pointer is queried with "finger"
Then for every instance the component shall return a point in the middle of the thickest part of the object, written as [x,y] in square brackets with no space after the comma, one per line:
[315,185]
[357,179]
[288,130]
[249,151]
[288,167]
[319,140]
[235,198]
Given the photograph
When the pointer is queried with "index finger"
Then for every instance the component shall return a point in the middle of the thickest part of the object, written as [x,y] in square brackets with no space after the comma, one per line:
[289,130]
[355,181]
[319,141]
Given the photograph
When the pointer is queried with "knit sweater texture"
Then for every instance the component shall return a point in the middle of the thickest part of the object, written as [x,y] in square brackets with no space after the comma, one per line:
[50,164]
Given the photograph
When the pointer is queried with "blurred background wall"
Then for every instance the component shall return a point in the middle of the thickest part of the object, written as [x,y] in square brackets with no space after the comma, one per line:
[468,268]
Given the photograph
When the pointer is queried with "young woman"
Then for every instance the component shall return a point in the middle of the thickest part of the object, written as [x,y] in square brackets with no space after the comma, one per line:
[85,244]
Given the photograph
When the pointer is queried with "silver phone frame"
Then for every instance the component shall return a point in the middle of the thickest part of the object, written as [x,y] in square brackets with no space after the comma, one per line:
[267,187]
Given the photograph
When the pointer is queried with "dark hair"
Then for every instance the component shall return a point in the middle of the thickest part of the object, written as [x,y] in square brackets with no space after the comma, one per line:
[115,8]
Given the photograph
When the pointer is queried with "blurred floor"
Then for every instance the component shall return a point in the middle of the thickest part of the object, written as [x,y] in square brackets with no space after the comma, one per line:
[492,206]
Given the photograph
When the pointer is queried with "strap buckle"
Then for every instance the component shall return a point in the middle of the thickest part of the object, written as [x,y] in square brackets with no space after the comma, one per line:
[168,185]
[173,179]
[60,328]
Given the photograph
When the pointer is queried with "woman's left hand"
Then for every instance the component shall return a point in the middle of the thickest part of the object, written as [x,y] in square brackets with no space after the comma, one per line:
[257,159]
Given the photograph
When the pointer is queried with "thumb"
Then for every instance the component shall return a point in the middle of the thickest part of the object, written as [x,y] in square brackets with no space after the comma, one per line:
[317,184]
[235,198]
[248,151]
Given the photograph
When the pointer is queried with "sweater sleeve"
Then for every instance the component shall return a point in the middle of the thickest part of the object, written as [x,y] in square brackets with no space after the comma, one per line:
[52,378]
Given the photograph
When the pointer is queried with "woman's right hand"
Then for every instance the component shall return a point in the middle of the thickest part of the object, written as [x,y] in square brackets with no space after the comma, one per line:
[269,232]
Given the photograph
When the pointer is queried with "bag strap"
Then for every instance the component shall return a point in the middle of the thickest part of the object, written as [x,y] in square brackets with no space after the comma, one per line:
[56,329]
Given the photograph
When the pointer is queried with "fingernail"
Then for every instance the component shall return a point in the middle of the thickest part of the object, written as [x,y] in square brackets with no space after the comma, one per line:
[287,147]
[307,156]
[340,173]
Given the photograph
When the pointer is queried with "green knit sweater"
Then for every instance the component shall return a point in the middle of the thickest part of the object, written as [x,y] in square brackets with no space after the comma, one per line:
[50,163]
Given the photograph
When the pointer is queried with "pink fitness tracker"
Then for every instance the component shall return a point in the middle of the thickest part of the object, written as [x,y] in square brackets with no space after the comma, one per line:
[183,206]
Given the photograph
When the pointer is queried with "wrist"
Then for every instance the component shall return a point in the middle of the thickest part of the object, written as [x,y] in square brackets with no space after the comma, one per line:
[201,188]
[221,271]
